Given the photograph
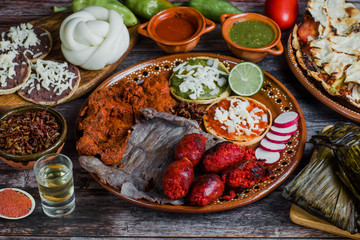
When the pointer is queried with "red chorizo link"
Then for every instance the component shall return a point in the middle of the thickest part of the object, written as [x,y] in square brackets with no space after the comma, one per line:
[192,146]
[220,156]
[243,174]
[206,189]
[178,178]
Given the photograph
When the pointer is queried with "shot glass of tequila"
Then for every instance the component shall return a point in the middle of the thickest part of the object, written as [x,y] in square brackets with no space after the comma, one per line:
[54,176]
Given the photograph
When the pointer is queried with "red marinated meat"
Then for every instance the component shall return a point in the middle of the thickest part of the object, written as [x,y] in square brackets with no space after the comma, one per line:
[220,156]
[243,174]
[206,189]
[178,178]
[192,146]
[309,28]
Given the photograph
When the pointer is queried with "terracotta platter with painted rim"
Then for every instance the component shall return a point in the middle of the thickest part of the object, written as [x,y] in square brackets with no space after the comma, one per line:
[337,104]
[273,94]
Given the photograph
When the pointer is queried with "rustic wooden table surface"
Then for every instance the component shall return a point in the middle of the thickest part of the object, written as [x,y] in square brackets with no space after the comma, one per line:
[99,214]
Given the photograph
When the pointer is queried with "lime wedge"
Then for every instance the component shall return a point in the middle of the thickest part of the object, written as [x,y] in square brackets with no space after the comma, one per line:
[246,79]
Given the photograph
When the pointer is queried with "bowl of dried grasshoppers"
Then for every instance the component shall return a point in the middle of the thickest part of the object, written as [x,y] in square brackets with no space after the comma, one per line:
[29,132]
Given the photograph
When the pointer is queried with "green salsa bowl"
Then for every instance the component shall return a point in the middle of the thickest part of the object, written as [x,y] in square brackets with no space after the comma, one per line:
[251,36]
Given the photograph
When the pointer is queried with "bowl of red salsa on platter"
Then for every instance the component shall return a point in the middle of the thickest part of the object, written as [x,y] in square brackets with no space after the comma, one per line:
[251,36]
[176,29]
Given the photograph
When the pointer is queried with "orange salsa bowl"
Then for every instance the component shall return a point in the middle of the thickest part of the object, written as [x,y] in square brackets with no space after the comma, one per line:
[176,29]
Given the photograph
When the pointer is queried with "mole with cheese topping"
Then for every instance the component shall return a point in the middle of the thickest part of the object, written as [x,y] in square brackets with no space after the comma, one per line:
[34,42]
[50,82]
[241,120]
[200,80]
[14,71]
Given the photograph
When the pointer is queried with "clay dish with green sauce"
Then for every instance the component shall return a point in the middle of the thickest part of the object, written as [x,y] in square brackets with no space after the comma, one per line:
[249,52]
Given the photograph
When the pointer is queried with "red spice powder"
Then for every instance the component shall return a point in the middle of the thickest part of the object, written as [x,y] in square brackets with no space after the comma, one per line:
[14,204]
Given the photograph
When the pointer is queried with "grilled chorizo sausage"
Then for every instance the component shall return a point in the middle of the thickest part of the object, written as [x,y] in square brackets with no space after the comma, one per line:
[178,178]
[206,189]
[220,156]
[192,146]
[243,174]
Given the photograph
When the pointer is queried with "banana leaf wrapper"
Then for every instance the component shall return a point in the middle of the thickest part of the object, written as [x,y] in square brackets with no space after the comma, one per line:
[344,140]
[318,189]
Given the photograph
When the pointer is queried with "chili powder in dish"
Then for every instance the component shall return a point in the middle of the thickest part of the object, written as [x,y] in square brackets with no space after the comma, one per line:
[175,29]
[251,34]
[29,132]
[15,203]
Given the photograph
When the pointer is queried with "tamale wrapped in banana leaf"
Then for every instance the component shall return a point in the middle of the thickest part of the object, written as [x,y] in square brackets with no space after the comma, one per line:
[318,189]
[344,140]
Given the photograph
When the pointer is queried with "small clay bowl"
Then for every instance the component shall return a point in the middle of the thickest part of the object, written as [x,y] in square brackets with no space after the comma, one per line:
[251,54]
[28,161]
[25,194]
[199,23]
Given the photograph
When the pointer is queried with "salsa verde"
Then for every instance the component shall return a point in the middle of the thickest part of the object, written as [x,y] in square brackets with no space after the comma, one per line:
[251,34]
[176,79]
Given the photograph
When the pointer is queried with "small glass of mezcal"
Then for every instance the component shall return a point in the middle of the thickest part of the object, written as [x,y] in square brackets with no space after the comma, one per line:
[54,176]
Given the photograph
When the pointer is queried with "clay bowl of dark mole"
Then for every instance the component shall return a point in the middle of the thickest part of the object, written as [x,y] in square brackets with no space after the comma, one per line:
[29,132]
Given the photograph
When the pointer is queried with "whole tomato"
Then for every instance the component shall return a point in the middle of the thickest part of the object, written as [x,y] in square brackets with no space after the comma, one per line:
[283,12]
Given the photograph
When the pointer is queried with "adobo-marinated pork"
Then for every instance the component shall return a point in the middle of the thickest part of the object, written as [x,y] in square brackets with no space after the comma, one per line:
[111,112]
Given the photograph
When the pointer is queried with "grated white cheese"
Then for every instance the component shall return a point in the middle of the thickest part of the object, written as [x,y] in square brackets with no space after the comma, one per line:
[50,75]
[238,114]
[196,77]
[7,67]
[38,54]
[20,36]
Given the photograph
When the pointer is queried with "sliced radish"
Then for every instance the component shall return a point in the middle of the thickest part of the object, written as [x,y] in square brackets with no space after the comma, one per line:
[286,119]
[272,147]
[269,157]
[284,131]
[277,138]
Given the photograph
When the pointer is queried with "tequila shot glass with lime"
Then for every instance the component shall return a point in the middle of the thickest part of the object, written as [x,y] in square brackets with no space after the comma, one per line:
[54,176]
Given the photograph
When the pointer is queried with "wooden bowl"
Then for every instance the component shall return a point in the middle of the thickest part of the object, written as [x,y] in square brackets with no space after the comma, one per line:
[28,161]
[200,23]
[251,54]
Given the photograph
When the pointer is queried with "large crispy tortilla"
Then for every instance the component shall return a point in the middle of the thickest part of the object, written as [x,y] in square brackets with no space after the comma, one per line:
[318,62]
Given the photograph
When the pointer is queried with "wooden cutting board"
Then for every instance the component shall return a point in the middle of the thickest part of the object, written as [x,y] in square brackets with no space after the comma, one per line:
[303,218]
[89,79]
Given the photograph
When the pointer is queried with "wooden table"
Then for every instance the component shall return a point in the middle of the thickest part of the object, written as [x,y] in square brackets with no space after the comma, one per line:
[98,213]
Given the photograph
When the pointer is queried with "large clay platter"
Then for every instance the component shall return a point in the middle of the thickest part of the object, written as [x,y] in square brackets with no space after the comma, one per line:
[89,79]
[274,95]
[337,104]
